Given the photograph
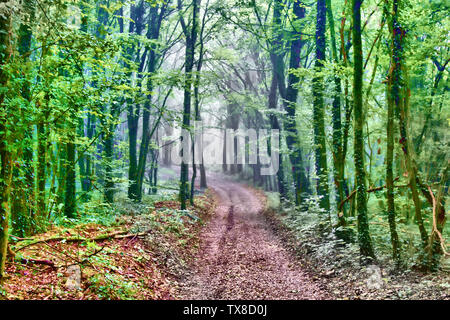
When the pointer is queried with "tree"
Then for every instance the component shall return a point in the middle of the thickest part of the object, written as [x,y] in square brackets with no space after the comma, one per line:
[391,98]
[337,150]
[365,242]
[156,16]
[135,26]
[400,98]
[6,155]
[319,113]
[22,210]
[289,96]
[191,39]
[197,114]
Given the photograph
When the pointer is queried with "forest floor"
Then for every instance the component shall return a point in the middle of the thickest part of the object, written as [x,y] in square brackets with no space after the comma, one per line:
[328,263]
[228,246]
[140,257]
[338,269]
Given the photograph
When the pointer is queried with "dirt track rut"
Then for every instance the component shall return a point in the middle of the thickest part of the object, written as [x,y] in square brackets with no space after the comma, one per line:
[240,257]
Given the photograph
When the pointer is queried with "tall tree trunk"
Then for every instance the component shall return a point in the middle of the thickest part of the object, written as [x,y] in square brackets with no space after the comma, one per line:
[155,20]
[5,153]
[365,243]
[70,192]
[203,183]
[224,151]
[41,174]
[84,159]
[275,125]
[348,105]
[191,39]
[5,182]
[133,119]
[197,115]
[390,98]
[42,135]
[69,196]
[338,154]
[390,178]
[60,171]
[22,210]
[400,96]
[133,112]
[108,144]
[319,112]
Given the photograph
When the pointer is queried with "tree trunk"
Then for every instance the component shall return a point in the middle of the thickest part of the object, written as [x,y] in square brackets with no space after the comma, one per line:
[108,144]
[133,118]
[348,105]
[41,173]
[275,125]
[365,243]
[198,117]
[22,210]
[5,153]
[319,112]
[155,19]
[436,240]
[338,154]
[224,152]
[191,38]
[69,196]
[85,160]
[400,97]
[133,112]
[289,96]
[390,178]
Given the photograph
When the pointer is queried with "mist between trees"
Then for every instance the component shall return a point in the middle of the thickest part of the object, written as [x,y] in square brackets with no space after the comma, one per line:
[212,146]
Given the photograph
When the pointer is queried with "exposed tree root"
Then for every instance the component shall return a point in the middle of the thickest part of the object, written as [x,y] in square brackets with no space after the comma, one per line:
[25,260]
[115,235]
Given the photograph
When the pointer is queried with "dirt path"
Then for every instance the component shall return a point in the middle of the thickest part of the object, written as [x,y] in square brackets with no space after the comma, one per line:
[240,257]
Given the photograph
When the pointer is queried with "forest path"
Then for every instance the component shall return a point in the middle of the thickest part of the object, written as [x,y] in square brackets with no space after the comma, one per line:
[240,257]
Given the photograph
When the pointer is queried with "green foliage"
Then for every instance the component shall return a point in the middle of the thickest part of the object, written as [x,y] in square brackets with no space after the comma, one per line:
[113,287]
[78,68]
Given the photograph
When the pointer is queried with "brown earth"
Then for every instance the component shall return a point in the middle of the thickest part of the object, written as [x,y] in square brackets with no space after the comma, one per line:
[240,257]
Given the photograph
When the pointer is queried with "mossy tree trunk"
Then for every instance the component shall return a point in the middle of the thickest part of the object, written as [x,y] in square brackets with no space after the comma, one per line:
[134,110]
[22,210]
[400,96]
[338,150]
[365,242]
[197,114]
[318,110]
[5,152]
[108,155]
[275,125]
[70,185]
[191,39]
[390,178]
